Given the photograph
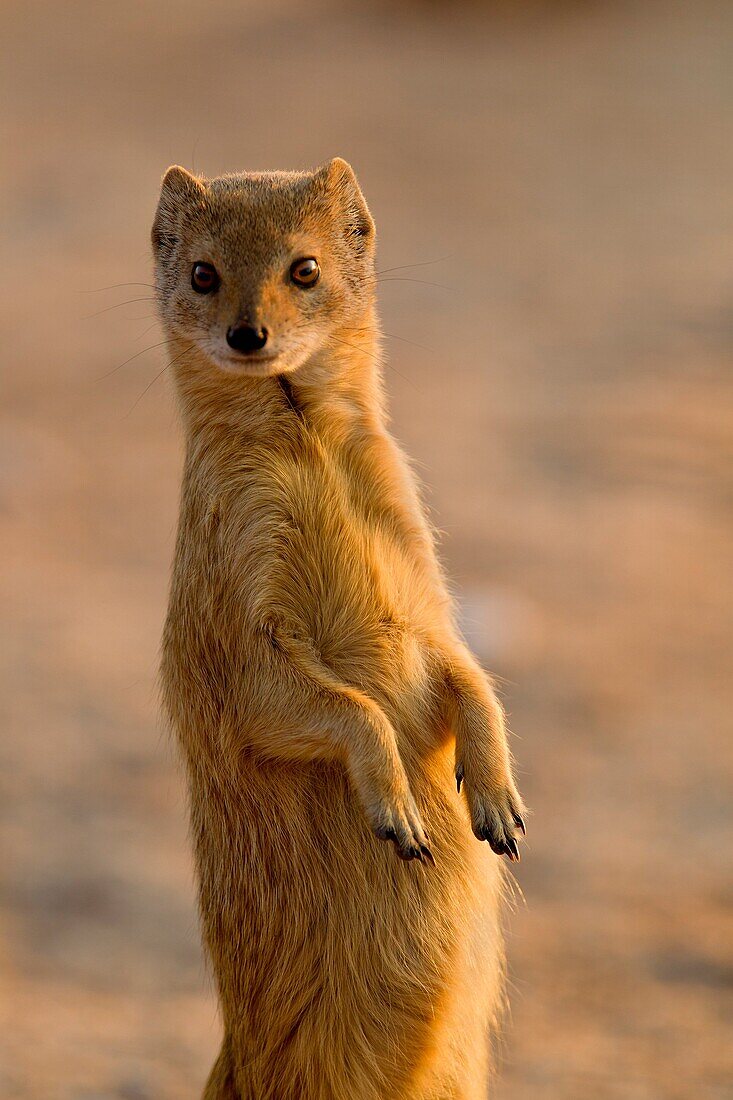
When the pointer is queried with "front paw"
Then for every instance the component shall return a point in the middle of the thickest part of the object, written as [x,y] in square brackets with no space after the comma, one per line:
[496,814]
[398,820]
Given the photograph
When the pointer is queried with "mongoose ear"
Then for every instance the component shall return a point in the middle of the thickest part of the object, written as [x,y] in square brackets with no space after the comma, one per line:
[340,181]
[179,190]
[180,184]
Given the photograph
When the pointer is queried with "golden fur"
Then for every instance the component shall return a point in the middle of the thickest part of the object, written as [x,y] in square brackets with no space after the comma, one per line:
[322,696]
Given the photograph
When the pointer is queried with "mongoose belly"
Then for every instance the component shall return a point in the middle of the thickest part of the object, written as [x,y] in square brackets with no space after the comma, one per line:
[334,959]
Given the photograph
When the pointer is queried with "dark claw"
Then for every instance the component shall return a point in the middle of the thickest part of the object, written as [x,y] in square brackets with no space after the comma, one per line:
[495,843]
[427,855]
[498,844]
[519,822]
[513,850]
[459,777]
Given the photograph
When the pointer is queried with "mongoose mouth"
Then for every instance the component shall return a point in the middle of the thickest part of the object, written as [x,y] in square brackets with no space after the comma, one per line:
[249,363]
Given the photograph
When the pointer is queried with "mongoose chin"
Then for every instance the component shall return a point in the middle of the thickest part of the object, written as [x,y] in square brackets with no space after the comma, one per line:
[329,713]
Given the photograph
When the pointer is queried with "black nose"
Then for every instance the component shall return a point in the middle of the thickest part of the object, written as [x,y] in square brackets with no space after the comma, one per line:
[244,338]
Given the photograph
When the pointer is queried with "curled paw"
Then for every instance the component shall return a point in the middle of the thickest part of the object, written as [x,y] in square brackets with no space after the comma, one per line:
[400,823]
[496,816]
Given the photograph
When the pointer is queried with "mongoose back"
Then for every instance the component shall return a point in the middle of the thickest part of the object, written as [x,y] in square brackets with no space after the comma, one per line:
[329,713]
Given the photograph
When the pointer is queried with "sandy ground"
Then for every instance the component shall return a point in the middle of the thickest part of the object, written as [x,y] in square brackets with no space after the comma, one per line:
[565,169]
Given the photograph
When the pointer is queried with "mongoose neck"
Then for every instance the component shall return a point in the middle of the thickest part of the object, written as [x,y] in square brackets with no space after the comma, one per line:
[339,383]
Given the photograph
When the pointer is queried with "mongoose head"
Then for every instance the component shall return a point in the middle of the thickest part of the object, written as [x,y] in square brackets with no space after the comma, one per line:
[261,271]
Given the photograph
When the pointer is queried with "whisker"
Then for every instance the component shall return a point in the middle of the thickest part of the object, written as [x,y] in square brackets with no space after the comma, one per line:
[377,359]
[139,399]
[117,306]
[404,340]
[355,347]
[147,330]
[407,279]
[135,356]
[99,289]
[393,336]
[407,267]
[157,376]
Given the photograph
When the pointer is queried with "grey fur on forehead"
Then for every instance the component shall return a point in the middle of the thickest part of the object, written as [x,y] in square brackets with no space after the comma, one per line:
[273,181]
[265,206]
[282,199]
[267,203]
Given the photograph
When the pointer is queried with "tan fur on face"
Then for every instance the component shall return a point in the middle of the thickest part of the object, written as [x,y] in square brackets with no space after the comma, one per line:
[322,696]
[251,228]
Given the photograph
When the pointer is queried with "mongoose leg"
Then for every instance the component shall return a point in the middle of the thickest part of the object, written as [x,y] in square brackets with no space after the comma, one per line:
[309,714]
[483,764]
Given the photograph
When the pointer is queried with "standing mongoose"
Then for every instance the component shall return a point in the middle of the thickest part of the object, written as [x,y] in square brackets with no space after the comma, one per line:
[323,698]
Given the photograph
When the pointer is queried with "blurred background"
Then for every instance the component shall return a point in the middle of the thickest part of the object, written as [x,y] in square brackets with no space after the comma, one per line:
[560,370]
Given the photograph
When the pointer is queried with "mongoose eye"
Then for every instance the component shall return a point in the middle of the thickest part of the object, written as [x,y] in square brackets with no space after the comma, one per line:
[305,272]
[204,278]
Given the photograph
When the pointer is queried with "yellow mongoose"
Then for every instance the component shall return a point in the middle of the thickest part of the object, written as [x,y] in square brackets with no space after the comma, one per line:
[323,698]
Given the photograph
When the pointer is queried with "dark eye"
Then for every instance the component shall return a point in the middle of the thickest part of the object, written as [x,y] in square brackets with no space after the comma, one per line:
[305,272]
[204,278]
